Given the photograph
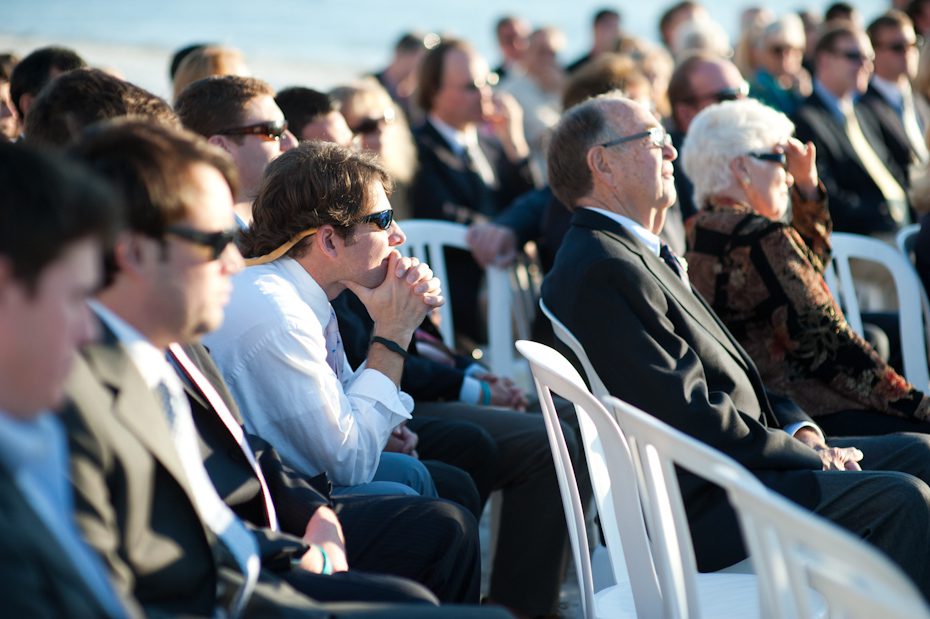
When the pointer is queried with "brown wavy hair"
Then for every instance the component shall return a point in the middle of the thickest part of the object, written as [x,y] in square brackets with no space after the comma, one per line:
[312,185]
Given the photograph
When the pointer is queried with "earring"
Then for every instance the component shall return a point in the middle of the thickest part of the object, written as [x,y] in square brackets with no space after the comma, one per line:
[745,180]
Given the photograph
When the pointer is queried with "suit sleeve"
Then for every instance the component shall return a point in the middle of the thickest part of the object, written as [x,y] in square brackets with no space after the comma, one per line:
[653,368]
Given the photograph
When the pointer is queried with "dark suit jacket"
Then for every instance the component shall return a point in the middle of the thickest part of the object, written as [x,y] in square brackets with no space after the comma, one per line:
[445,188]
[856,203]
[294,498]
[658,346]
[881,114]
[134,504]
[36,580]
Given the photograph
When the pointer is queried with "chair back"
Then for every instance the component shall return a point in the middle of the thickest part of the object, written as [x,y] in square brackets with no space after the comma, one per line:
[906,239]
[612,478]
[911,306]
[426,240]
[567,338]
[792,550]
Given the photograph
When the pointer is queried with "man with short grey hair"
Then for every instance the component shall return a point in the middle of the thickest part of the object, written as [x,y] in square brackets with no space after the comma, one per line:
[656,344]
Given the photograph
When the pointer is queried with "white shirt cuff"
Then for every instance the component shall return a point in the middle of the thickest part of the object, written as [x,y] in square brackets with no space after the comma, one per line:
[470,392]
[792,428]
[376,386]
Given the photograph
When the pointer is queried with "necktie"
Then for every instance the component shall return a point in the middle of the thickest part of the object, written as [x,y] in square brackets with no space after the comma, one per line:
[478,163]
[335,353]
[200,382]
[666,253]
[912,127]
[892,192]
[235,537]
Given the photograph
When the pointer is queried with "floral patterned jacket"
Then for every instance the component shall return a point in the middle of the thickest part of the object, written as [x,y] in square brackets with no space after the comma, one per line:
[765,280]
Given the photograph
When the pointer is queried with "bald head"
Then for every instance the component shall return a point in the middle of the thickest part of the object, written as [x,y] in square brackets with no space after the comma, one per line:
[632,176]
[700,81]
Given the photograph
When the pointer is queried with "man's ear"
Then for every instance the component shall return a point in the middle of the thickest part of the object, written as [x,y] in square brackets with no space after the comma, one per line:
[7,278]
[129,253]
[597,163]
[328,241]
[25,102]
[221,141]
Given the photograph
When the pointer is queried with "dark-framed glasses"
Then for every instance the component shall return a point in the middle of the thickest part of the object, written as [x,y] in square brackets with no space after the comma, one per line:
[270,129]
[898,47]
[216,242]
[726,94]
[382,219]
[658,137]
[852,55]
[779,158]
[371,125]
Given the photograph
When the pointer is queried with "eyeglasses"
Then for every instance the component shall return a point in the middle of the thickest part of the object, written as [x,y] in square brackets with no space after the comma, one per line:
[270,129]
[658,137]
[781,50]
[899,47]
[726,94]
[477,84]
[779,158]
[216,242]
[371,125]
[382,219]
[852,55]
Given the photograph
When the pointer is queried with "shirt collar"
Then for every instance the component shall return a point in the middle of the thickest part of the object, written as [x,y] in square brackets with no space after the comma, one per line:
[26,442]
[652,241]
[307,288]
[145,356]
[833,103]
[891,91]
[458,140]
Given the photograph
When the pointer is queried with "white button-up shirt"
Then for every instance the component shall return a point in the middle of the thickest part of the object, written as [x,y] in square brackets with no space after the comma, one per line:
[272,352]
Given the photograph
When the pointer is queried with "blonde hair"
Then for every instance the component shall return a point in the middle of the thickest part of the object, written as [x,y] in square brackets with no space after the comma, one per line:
[205,62]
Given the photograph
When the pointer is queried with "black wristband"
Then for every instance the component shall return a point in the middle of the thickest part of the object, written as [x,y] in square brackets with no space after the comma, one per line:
[392,346]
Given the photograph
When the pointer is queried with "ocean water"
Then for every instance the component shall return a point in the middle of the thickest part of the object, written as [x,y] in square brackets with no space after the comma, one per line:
[313,42]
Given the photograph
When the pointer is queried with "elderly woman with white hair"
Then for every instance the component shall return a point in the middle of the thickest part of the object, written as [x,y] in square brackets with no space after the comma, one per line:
[779,79]
[763,273]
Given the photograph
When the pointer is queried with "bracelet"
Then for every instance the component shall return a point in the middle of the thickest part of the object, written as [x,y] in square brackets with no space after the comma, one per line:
[327,568]
[392,346]
[485,393]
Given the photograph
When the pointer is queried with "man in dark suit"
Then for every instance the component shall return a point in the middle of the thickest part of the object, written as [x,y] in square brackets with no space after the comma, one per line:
[146,501]
[656,344]
[53,218]
[466,175]
[865,195]
[889,101]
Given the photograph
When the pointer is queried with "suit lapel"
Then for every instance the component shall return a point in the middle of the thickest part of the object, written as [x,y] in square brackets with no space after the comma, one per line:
[688,300]
[462,180]
[135,405]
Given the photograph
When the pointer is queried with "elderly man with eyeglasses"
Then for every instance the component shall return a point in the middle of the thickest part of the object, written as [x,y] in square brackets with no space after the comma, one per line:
[656,344]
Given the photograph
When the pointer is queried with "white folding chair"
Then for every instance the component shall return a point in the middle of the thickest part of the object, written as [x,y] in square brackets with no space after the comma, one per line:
[839,278]
[646,570]
[426,239]
[805,564]
[567,338]
[906,238]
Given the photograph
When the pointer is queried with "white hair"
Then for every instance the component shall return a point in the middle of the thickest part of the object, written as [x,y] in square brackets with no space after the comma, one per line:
[722,132]
[788,28]
[702,35]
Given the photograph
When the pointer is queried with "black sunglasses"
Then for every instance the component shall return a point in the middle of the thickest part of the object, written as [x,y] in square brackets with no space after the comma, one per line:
[852,55]
[217,242]
[726,94]
[779,158]
[898,48]
[370,125]
[271,129]
[382,219]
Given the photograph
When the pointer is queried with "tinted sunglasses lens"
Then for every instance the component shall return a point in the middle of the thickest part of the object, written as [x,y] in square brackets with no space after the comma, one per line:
[384,219]
[369,125]
[730,94]
[221,240]
[276,129]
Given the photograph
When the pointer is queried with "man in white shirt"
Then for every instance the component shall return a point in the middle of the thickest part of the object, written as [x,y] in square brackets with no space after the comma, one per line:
[656,344]
[322,225]
[53,218]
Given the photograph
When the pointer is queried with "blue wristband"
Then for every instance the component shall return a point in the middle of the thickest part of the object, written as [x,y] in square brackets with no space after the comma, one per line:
[485,393]
[327,568]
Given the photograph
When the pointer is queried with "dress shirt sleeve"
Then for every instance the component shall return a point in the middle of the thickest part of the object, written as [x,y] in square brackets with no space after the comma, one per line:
[293,399]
